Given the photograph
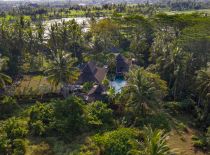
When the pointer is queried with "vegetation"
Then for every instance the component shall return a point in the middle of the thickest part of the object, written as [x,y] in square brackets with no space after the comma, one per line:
[163,60]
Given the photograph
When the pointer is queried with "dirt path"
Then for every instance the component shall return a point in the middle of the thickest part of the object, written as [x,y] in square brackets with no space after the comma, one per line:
[183,143]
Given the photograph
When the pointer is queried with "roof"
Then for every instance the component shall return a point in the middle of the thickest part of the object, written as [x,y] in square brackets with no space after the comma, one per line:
[122,64]
[90,67]
[122,59]
[97,89]
[92,73]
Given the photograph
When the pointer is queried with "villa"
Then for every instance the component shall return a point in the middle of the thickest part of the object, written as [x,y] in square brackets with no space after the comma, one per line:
[122,65]
[92,73]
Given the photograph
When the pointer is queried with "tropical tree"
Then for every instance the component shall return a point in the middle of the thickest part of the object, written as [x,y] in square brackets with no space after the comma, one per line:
[203,88]
[61,70]
[203,82]
[105,35]
[66,36]
[4,79]
[172,63]
[145,90]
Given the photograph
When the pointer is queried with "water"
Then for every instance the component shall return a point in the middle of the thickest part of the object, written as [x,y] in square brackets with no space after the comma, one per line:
[118,84]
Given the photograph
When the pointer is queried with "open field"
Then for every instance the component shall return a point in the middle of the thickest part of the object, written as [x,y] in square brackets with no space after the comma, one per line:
[187,11]
[34,85]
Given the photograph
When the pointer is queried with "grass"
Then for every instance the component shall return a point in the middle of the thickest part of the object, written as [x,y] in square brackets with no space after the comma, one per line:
[34,85]
[183,144]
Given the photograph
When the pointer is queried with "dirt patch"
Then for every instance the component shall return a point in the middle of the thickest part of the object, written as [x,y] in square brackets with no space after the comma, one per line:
[182,142]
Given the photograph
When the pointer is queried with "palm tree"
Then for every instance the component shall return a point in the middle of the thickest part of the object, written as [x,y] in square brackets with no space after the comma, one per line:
[111,94]
[61,70]
[144,88]
[155,141]
[4,79]
[203,83]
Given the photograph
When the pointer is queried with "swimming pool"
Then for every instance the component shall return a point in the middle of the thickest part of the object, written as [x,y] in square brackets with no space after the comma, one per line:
[118,84]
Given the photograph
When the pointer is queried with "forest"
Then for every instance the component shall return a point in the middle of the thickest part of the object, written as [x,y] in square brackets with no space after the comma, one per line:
[105,80]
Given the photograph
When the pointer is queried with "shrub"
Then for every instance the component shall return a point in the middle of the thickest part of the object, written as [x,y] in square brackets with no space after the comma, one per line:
[4,144]
[182,127]
[99,114]
[87,86]
[19,147]
[15,128]
[12,136]
[188,105]
[42,118]
[156,121]
[117,142]
[7,106]
[38,128]
[70,117]
[173,107]
[180,107]
[199,142]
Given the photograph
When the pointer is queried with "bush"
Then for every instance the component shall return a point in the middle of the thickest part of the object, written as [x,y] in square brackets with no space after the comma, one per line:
[19,146]
[199,142]
[87,86]
[12,137]
[99,114]
[157,121]
[42,118]
[15,128]
[117,142]
[4,144]
[70,117]
[178,107]
[182,127]
[7,107]
[38,128]
[188,105]
[173,107]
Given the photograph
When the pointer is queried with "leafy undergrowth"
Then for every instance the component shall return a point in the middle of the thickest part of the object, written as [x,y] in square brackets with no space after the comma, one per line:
[179,139]
[54,146]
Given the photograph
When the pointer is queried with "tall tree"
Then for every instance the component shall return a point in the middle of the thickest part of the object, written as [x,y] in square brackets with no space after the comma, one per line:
[4,79]
[145,90]
[61,70]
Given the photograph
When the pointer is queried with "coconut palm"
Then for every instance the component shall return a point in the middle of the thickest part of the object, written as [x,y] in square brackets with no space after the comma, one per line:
[61,70]
[203,83]
[144,88]
[4,79]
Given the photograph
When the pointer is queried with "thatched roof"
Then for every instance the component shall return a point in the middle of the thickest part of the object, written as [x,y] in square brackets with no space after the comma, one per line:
[92,73]
[96,93]
[96,90]
[122,64]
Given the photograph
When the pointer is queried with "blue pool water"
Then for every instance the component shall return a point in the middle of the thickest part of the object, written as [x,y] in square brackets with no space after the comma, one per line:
[118,84]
